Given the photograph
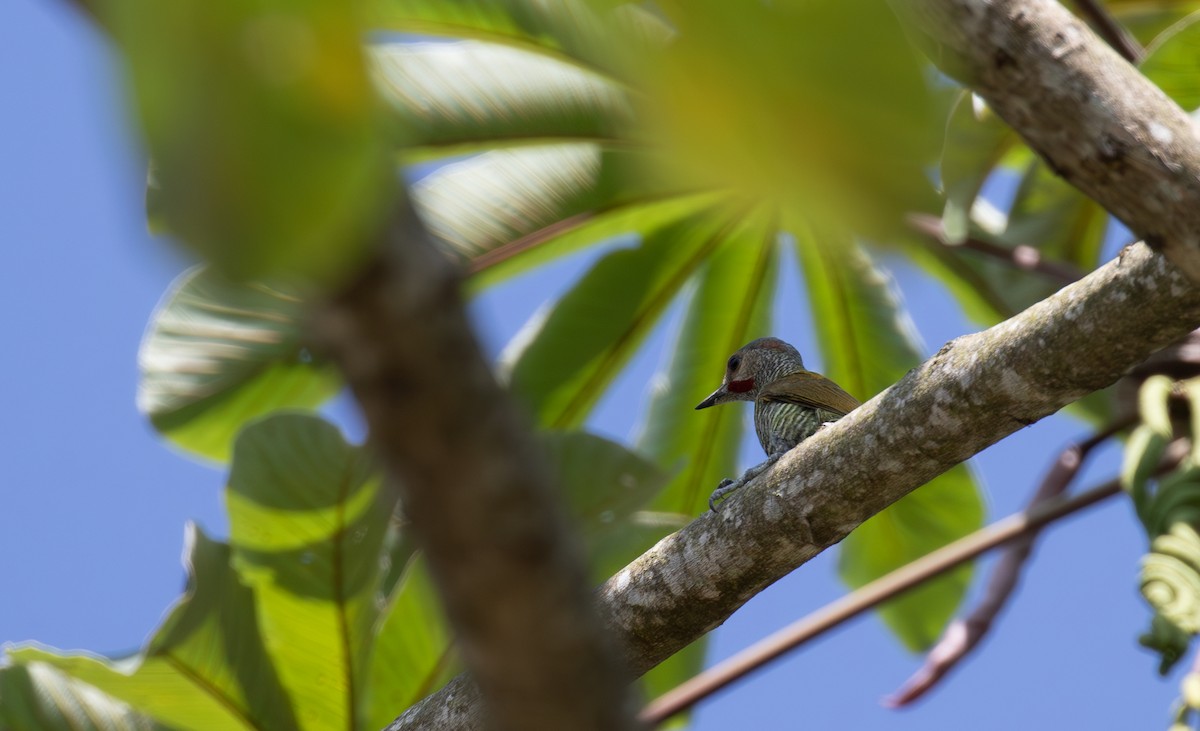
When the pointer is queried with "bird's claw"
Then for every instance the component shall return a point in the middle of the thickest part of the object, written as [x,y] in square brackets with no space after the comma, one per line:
[725,487]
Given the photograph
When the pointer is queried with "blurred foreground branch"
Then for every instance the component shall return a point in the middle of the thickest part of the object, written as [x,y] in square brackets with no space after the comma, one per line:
[477,491]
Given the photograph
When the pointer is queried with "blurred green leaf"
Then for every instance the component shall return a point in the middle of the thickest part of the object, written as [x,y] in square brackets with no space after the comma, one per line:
[206,668]
[569,29]
[533,203]
[264,129]
[413,654]
[730,307]
[1052,216]
[451,98]
[817,107]
[603,482]
[38,697]
[869,343]
[1147,20]
[975,141]
[218,354]
[564,363]
[1172,62]
[307,518]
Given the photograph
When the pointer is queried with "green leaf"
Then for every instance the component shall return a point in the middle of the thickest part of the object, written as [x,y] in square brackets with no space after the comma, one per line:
[819,108]
[564,362]
[869,343]
[218,354]
[264,129]
[413,654]
[975,141]
[1054,217]
[1172,60]
[571,30]
[205,668]
[37,697]
[307,518]
[602,481]
[508,210]
[452,97]
[730,307]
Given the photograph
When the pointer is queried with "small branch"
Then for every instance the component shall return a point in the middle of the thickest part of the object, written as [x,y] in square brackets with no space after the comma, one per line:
[1111,31]
[882,589]
[1021,256]
[963,635]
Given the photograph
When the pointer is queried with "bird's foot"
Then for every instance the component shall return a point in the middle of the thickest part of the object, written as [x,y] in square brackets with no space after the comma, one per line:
[724,488]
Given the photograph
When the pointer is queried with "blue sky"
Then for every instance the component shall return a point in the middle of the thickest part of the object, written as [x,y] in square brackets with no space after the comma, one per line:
[92,504]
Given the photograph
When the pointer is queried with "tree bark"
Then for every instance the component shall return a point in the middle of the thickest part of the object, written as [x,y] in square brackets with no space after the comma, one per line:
[1083,108]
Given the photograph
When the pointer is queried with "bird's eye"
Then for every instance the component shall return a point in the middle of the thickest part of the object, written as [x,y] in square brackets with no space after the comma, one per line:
[734,362]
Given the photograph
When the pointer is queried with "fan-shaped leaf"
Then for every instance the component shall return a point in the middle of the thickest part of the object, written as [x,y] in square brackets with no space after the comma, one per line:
[869,343]
[218,354]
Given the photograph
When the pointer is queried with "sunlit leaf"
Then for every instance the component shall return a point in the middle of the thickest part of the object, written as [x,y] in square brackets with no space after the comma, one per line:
[307,518]
[869,343]
[452,97]
[413,654]
[263,126]
[220,353]
[205,668]
[818,107]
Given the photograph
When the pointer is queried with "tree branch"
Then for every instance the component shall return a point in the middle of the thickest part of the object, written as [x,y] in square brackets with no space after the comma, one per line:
[965,634]
[1013,529]
[1022,256]
[974,392]
[477,491]
[1095,119]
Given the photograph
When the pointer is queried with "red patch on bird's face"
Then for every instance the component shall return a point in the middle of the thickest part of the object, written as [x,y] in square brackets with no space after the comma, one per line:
[740,386]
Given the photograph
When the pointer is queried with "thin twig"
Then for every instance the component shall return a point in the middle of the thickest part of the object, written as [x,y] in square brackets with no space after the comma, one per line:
[1111,31]
[1021,256]
[882,589]
[963,635]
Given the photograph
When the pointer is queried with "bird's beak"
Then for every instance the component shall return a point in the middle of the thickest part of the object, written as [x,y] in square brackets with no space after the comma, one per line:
[713,399]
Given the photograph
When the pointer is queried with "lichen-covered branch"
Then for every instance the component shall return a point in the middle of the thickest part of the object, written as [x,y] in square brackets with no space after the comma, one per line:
[975,391]
[1094,118]
[477,491]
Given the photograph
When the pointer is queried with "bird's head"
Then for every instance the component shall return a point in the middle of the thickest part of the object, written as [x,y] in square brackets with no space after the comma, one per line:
[756,364]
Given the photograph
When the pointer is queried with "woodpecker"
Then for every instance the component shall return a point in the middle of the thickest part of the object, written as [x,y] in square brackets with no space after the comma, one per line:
[790,402]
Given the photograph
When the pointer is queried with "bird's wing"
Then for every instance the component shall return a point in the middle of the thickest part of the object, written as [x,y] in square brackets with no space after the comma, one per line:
[809,389]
